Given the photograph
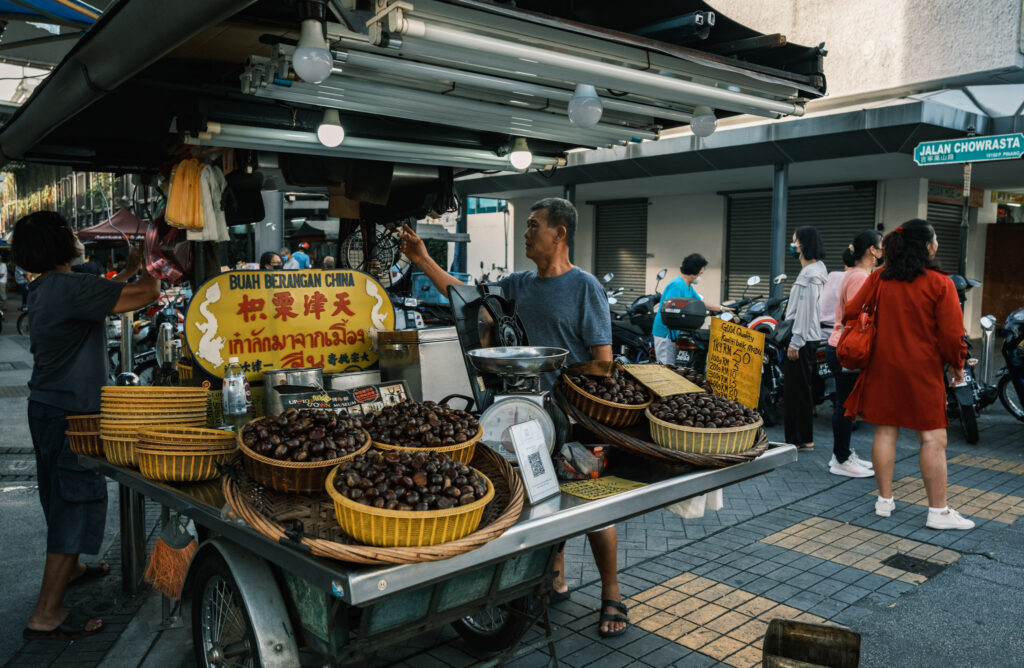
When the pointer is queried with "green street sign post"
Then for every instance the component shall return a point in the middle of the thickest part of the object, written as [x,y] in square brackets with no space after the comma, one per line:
[970,149]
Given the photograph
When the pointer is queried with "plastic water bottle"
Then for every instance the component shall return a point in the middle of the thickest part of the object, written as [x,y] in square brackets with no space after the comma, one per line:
[235,394]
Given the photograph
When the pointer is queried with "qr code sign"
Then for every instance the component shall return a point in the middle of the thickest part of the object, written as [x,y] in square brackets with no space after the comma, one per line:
[536,465]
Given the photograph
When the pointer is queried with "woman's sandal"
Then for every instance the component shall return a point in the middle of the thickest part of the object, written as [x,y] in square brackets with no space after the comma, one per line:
[607,617]
[72,628]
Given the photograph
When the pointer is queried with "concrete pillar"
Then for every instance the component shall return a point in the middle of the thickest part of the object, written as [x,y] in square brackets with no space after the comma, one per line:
[269,232]
[780,200]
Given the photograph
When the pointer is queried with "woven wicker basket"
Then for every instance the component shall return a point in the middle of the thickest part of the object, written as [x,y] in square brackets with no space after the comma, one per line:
[119,450]
[292,477]
[85,443]
[180,466]
[406,528]
[84,423]
[605,412]
[460,452]
[187,438]
[723,441]
[184,371]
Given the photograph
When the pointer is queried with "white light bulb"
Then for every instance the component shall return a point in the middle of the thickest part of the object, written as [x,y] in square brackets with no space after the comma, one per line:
[520,157]
[585,107]
[312,61]
[330,133]
[704,122]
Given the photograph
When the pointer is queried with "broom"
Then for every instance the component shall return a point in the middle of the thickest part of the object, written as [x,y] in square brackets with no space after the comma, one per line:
[171,556]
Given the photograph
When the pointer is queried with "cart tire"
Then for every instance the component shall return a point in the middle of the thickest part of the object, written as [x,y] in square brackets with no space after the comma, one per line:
[495,629]
[222,633]
[23,324]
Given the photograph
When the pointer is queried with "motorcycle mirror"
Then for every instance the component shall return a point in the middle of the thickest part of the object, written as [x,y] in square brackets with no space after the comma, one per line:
[726,317]
[661,274]
[753,280]
[613,301]
[607,277]
[988,321]
[778,279]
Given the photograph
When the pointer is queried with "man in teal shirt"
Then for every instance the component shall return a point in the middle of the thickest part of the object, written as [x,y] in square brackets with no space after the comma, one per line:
[680,287]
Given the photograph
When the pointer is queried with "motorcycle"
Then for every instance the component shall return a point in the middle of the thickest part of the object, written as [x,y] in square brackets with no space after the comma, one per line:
[966,399]
[1010,386]
[630,343]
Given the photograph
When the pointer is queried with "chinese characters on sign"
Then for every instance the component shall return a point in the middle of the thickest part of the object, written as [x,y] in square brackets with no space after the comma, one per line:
[734,362]
[287,319]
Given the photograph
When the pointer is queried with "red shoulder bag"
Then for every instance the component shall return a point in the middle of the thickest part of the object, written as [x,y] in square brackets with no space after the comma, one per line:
[855,343]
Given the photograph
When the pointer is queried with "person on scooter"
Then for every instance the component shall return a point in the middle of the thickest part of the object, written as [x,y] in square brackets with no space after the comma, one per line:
[680,287]
[559,305]
[804,309]
[903,383]
[861,257]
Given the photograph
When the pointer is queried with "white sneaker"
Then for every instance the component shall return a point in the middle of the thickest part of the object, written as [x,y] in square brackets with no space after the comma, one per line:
[860,462]
[849,468]
[884,507]
[950,519]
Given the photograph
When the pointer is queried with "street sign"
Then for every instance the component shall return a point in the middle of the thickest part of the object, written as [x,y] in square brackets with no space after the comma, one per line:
[970,149]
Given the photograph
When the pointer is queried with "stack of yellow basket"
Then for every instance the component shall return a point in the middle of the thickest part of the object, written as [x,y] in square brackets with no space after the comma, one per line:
[182,454]
[126,410]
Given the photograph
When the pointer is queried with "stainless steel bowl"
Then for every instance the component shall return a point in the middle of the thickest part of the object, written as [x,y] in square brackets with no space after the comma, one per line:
[517,360]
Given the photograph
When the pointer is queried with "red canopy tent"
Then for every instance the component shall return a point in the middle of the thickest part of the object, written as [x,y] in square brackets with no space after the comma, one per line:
[105,235]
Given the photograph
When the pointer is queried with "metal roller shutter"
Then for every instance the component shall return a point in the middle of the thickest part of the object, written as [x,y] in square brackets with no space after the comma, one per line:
[945,219]
[839,213]
[621,243]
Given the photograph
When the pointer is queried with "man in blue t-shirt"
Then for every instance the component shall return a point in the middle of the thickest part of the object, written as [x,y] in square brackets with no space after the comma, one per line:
[301,256]
[563,306]
[680,287]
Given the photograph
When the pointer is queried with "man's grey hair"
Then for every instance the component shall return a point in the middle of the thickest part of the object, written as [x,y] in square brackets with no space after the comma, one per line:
[285,249]
[560,212]
[329,262]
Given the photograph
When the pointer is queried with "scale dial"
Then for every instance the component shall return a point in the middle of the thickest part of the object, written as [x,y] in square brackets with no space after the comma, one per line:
[502,414]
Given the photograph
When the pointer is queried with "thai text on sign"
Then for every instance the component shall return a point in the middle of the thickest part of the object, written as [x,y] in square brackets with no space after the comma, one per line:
[734,362]
[287,319]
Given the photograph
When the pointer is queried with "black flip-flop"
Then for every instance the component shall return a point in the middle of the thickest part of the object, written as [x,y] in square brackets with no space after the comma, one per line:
[92,572]
[560,596]
[72,628]
[606,617]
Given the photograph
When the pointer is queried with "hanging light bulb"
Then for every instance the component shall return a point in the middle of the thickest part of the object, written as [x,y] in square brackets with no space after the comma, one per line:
[585,107]
[312,61]
[520,157]
[330,133]
[704,122]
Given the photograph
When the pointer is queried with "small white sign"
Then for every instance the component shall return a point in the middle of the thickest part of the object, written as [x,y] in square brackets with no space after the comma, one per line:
[534,460]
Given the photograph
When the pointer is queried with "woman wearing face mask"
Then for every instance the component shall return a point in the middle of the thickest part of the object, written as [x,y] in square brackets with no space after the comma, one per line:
[680,287]
[804,309]
[903,383]
[861,257]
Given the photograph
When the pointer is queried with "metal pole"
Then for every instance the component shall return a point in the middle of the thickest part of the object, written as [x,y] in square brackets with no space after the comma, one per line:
[962,268]
[133,539]
[780,196]
[461,227]
[569,193]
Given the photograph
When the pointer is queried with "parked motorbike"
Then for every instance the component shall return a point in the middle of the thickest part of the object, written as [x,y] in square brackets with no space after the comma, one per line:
[1010,383]
[630,343]
[966,399]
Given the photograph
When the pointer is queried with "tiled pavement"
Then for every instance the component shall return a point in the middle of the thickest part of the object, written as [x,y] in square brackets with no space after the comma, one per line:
[797,543]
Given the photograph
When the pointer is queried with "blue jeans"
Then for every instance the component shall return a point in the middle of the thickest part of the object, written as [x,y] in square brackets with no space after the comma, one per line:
[841,426]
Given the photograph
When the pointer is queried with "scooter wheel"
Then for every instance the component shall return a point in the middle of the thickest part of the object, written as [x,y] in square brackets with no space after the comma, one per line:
[1008,395]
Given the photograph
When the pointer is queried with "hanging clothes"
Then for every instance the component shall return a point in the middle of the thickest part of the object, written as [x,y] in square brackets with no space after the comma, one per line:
[212,186]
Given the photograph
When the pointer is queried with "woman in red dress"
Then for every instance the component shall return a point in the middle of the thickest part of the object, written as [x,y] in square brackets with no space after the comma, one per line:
[919,330]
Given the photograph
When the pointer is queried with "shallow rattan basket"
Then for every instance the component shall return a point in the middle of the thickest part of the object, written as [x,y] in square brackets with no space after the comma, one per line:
[85,443]
[460,452]
[406,528]
[175,437]
[118,449]
[721,441]
[605,412]
[298,477]
[181,465]
[84,423]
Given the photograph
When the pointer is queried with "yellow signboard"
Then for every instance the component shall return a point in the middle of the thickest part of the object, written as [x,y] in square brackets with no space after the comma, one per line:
[734,362]
[287,320]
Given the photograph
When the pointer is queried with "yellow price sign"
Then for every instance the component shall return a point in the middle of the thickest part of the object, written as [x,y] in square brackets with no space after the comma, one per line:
[287,320]
[734,362]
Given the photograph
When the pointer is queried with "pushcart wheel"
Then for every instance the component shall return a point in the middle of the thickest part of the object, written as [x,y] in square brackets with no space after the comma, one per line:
[222,633]
[23,324]
[495,629]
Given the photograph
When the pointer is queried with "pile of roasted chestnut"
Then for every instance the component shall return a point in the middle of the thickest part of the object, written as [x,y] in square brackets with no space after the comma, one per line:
[695,377]
[409,481]
[702,410]
[304,435]
[618,388]
[426,425]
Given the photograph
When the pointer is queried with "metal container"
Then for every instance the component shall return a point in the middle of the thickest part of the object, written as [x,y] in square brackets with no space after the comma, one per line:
[348,381]
[307,377]
[429,360]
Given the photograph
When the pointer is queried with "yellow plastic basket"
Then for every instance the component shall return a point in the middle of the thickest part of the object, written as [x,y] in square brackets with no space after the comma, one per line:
[119,450]
[173,437]
[406,528]
[181,466]
[85,443]
[84,423]
[184,371]
[460,452]
[724,441]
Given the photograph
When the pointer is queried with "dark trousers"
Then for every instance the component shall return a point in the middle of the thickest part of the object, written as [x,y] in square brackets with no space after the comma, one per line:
[797,397]
[841,427]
